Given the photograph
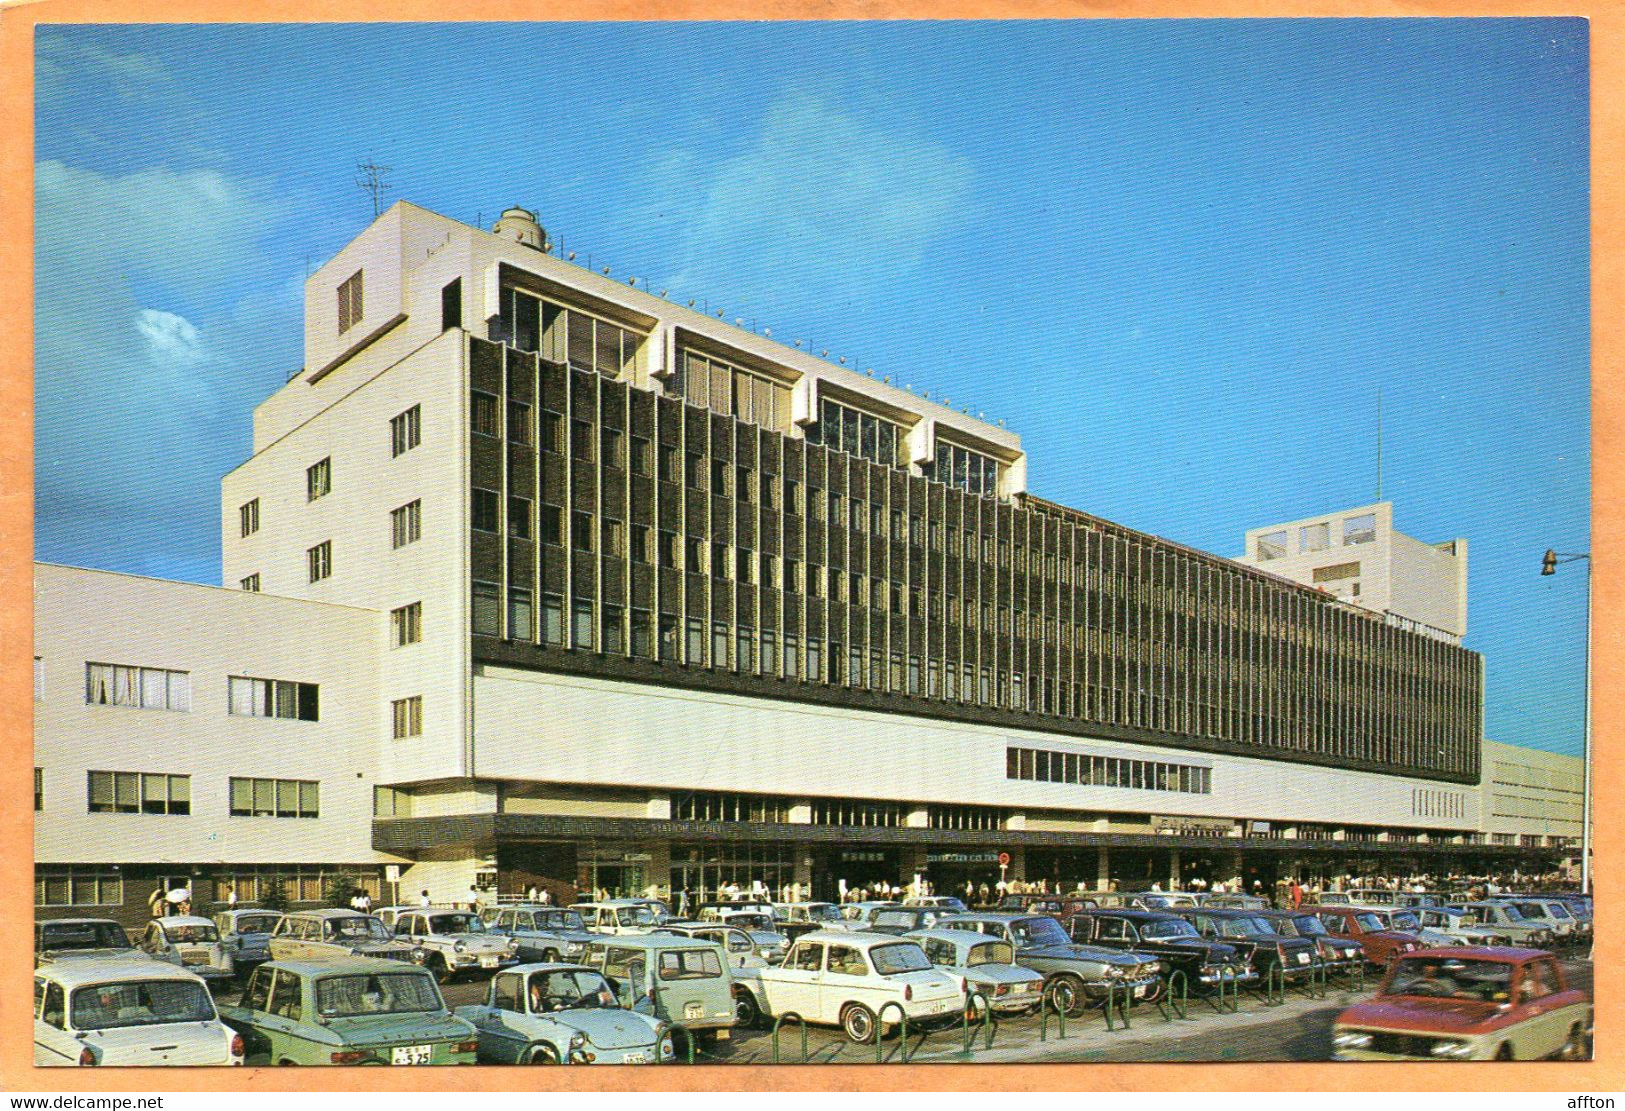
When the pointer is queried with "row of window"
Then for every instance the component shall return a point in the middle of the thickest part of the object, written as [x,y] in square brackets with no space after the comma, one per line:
[1044,766]
[102,886]
[732,391]
[857,433]
[569,336]
[159,793]
[1317,537]
[155,688]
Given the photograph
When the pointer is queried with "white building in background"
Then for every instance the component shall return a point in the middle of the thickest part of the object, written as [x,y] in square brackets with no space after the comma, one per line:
[537,577]
[1359,557]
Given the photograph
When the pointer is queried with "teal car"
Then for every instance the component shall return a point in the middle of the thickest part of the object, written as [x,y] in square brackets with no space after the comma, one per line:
[682,980]
[355,1011]
[549,1014]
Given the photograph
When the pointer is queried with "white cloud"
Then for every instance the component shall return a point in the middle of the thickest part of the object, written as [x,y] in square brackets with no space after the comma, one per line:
[61,60]
[844,198]
[171,340]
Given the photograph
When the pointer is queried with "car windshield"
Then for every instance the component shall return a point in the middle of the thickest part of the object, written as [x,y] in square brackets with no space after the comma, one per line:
[1404,921]
[256,923]
[194,935]
[83,935]
[456,924]
[949,902]
[689,964]
[1512,913]
[1452,978]
[1038,931]
[990,952]
[751,921]
[1309,926]
[358,928]
[1369,921]
[140,1003]
[1530,910]
[824,912]
[1232,927]
[1557,910]
[1283,926]
[562,920]
[1172,927]
[560,991]
[901,956]
[380,993]
[634,916]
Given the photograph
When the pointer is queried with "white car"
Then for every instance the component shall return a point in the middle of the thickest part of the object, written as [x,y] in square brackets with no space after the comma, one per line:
[127,1012]
[191,942]
[857,981]
[984,964]
[550,1014]
[455,942]
[1549,913]
[618,916]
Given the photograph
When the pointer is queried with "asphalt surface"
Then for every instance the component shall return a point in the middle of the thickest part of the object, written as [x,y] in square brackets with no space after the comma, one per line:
[1298,1030]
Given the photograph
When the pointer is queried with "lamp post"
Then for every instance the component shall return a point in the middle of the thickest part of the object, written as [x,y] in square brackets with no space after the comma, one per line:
[1548,566]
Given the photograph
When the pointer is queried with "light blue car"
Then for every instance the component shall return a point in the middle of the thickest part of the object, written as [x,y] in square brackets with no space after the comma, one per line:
[549,1014]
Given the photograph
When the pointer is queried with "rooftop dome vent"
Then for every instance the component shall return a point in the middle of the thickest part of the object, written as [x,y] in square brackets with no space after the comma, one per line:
[520,225]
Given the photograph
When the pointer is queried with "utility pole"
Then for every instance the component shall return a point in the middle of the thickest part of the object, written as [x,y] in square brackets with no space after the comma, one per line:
[373,179]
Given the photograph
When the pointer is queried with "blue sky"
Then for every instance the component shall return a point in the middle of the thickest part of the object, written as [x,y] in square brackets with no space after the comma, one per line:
[1180,258]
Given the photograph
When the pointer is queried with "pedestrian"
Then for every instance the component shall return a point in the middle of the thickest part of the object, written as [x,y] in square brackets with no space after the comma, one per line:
[473,899]
[530,894]
[231,896]
[1297,894]
[366,902]
[155,902]
[423,898]
[546,897]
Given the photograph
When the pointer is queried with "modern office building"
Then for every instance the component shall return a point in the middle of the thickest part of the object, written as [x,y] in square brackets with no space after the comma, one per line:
[593,590]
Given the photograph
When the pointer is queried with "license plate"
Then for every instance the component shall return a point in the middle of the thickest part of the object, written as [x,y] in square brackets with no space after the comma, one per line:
[410,1055]
[1139,992]
[489,961]
[694,1010]
[1303,958]
[635,1059]
[937,1007]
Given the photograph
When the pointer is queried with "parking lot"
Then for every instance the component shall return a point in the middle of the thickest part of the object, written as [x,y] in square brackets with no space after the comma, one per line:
[1296,1029]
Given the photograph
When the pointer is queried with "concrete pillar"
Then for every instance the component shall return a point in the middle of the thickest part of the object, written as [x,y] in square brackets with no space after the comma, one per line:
[1173,870]
[1103,868]
[1018,863]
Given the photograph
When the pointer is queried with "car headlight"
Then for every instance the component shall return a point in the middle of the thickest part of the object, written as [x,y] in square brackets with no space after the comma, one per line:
[1114,971]
[577,1040]
[419,955]
[513,945]
[1453,1050]
[668,1049]
[573,947]
[1350,1039]
[459,946]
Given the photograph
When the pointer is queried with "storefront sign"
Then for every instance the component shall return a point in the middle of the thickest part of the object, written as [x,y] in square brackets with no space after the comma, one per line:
[1192,827]
[637,858]
[862,858]
[962,858]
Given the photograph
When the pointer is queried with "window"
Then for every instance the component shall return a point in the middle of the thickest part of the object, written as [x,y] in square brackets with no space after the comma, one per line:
[487,609]
[146,688]
[1315,538]
[519,613]
[609,446]
[731,391]
[719,560]
[581,623]
[248,517]
[273,698]
[969,470]
[405,431]
[81,887]
[551,432]
[719,644]
[319,561]
[611,538]
[581,440]
[487,510]
[640,543]
[719,478]
[250,583]
[518,423]
[1272,545]
[668,463]
[405,523]
[275,798]
[639,460]
[451,304]
[519,518]
[406,625]
[350,302]
[552,619]
[406,715]
[743,482]
[483,414]
[1360,530]
[550,524]
[581,531]
[391,802]
[1336,572]
[667,548]
[319,479]
[843,428]
[139,793]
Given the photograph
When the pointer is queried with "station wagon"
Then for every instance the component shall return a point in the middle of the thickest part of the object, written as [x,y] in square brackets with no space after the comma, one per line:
[678,979]
[544,933]
[326,934]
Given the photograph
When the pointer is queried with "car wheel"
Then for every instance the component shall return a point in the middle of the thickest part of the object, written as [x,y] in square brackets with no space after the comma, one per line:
[858,1023]
[1575,1048]
[543,1054]
[549,956]
[1504,1053]
[442,971]
[746,1013]
[1067,994]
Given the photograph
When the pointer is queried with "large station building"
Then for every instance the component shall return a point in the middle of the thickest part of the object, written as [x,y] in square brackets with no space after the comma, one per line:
[536,577]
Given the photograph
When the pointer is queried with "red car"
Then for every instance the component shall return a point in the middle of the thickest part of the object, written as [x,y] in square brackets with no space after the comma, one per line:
[1358,924]
[1468,1004]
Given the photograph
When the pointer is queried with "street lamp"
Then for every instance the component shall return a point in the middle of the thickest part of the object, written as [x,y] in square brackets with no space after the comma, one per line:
[1548,566]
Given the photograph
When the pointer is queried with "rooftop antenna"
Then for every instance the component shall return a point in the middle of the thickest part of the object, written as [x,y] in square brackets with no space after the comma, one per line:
[372,178]
[1379,443]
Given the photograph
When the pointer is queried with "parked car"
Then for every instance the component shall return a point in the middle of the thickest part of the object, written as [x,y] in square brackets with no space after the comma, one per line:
[617,916]
[1075,975]
[550,1014]
[191,942]
[1255,939]
[795,919]
[544,933]
[1468,1004]
[1352,923]
[941,902]
[986,965]
[1059,906]
[1206,962]
[1507,919]
[1335,952]
[739,945]
[1422,899]
[848,979]
[455,943]
[1236,901]
[678,979]
[77,938]
[348,1011]
[1162,900]
[1406,921]
[127,1011]
[1374,897]
[1460,925]
[769,942]
[905,919]
[246,934]
[1552,914]
[859,912]
[325,934]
